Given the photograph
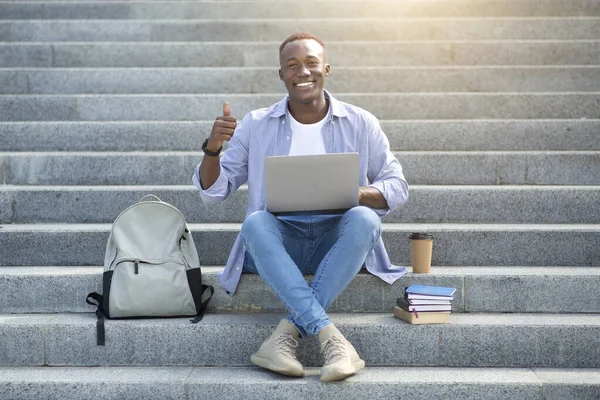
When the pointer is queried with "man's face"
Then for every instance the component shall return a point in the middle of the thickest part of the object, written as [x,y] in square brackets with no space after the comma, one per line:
[303,70]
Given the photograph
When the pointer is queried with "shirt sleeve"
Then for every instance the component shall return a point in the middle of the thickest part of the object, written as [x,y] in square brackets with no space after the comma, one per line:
[384,170]
[234,166]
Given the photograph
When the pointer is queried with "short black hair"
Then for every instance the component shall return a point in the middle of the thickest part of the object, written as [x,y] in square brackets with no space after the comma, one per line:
[300,36]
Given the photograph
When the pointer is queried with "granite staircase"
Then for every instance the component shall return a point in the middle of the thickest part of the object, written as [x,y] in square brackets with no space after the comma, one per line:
[491,106]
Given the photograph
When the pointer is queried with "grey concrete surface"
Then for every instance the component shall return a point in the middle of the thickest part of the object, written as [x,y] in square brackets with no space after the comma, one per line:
[130,383]
[382,105]
[569,384]
[265,80]
[22,339]
[436,204]
[549,341]
[259,54]
[478,135]
[479,289]
[532,290]
[178,30]
[419,168]
[420,383]
[274,9]
[19,55]
[530,168]
[501,340]
[423,135]
[455,244]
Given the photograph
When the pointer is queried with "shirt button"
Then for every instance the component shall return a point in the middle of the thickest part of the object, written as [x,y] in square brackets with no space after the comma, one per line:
[283,121]
[237,268]
[287,137]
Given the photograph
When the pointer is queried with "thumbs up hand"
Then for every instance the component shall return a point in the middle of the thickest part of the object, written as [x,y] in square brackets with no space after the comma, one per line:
[222,130]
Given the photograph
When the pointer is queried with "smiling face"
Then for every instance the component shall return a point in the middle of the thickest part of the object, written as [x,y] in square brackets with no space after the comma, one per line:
[303,70]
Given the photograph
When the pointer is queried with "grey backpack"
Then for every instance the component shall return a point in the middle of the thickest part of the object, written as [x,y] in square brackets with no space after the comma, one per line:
[151,267]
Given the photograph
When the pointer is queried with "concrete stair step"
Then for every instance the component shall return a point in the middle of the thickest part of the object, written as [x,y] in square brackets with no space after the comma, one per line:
[420,168]
[176,382]
[479,289]
[475,340]
[424,135]
[455,244]
[264,54]
[343,79]
[437,204]
[277,9]
[383,105]
[180,30]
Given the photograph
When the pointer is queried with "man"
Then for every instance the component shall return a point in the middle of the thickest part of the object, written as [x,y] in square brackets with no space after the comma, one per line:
[281,249]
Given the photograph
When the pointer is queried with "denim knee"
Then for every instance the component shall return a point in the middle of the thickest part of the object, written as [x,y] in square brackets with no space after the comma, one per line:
[366,219]
[254,223]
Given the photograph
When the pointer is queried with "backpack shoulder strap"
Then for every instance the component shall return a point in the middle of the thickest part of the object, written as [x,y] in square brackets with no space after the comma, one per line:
[201,305]
[100,337]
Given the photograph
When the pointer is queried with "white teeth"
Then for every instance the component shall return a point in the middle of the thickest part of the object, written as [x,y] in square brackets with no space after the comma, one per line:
[304,84]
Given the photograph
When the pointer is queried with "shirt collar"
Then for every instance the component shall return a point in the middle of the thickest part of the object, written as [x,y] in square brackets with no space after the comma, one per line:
[335,107]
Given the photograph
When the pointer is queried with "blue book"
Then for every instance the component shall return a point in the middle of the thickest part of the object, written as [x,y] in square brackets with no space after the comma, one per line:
[431,290]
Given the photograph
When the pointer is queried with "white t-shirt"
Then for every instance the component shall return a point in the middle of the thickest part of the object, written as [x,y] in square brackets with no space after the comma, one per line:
[306,138]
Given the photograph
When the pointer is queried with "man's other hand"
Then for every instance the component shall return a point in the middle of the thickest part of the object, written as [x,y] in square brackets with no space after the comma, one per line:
[222,130]
[371,197]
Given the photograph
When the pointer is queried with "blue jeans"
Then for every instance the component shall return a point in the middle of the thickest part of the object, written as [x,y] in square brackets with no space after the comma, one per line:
[332,247]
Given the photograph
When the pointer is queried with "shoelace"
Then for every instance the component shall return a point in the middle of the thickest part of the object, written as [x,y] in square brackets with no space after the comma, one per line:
[286,345]
[333,349]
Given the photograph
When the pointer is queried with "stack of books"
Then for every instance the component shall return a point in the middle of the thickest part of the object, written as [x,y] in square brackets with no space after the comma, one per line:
[425,305]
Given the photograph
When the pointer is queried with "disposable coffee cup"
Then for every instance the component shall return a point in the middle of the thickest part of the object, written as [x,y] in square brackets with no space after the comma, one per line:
[421,247]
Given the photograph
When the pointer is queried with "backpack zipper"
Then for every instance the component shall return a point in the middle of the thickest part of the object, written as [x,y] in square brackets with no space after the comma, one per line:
[136,262]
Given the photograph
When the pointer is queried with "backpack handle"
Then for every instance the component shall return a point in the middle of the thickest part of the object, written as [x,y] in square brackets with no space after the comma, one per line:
[151,196]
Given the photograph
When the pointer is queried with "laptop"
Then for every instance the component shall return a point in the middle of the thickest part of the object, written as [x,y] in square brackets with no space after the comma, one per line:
[320,183]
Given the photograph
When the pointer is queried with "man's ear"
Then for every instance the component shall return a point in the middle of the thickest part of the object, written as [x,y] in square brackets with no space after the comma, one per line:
[327,69]
[280,74]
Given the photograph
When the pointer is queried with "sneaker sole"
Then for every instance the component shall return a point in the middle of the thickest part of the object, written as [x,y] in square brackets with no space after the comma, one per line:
[267,364]
[338,374]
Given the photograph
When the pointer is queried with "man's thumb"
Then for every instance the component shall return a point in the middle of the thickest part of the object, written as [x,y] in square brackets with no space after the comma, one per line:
[226,109]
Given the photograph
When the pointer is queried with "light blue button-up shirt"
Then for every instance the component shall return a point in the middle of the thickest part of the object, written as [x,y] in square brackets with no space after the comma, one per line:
[266,132]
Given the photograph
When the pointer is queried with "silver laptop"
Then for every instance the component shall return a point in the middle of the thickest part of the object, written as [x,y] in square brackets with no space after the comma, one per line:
[311,183]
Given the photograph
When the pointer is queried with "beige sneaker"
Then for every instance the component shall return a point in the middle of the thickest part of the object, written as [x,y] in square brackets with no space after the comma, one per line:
[341,359]
[278,353]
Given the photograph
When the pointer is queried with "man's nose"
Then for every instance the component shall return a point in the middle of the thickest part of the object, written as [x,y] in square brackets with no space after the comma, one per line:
[303,70]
